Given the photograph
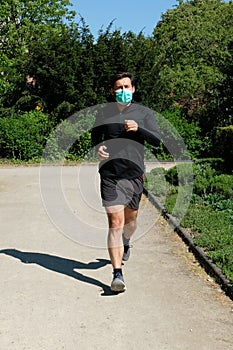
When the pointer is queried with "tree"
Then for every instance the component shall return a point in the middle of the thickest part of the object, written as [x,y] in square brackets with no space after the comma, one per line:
[22,22]
[192,56]
[109,57]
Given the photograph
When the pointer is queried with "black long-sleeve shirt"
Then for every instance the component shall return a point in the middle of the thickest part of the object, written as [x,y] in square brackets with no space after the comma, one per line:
[126,149]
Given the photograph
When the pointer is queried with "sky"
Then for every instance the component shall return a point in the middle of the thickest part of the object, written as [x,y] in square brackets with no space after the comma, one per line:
[128,15]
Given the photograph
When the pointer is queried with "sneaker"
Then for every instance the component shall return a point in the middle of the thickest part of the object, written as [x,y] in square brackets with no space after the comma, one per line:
[118,284]
[126,253]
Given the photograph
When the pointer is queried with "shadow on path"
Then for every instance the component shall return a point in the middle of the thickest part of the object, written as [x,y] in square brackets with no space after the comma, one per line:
[63,266]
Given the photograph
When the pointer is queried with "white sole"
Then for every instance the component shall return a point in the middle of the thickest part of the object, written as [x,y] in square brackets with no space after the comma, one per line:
[118,285]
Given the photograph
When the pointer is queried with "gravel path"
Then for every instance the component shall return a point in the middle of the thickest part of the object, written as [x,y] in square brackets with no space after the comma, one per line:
[55,274]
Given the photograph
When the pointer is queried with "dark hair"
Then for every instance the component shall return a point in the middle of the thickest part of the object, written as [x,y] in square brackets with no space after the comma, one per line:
[121,75]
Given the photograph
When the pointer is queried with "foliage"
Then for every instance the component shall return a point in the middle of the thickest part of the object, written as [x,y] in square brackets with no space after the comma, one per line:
[212,230]
[181,174]
[194,58]
[172,142]
[156,183]
[24,25]
[71,138]
[24,136]
[224,145]
[210,211]
[204,179]
[189,131]
[216,163]
[82,148]
[184,70]
[222,184]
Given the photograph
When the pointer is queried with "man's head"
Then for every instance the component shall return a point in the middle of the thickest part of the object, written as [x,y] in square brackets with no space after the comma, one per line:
[120,76]
[122,87]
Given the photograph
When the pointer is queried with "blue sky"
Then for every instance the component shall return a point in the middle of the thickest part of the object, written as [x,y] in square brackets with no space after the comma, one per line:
[134,15]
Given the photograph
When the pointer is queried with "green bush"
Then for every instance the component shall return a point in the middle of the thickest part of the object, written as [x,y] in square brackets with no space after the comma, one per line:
[171,201]
[160,172]
[216,163]
[177,197]
[212,230]
[206,181]
[28,103]
[223,184]
[71,139]
[23,136]
[224,145]
[181,174]
[190,132]
[64,110]
[203,178]
[81,148]
[155,182]
[178,200]
[210,214]
[172,176]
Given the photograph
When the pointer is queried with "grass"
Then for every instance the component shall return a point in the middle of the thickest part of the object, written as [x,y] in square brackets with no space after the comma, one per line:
[213,231]
[209,219]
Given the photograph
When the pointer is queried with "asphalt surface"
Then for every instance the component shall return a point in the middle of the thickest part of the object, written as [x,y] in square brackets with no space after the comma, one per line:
[55,273]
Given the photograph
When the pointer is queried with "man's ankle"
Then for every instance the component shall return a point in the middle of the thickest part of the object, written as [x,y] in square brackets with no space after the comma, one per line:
[125,240]
[117,271]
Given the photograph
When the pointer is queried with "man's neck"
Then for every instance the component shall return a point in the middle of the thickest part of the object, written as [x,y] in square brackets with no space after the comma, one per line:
[122,107]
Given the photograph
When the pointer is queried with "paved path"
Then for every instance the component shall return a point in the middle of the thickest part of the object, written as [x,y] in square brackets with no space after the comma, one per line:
[55,292]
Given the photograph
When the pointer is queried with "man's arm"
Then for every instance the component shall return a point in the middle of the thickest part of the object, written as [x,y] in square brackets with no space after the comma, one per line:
[97,138]
[96,134]
[150,132]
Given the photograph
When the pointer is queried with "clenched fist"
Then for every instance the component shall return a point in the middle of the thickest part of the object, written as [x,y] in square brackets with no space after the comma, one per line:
[131,125]
[102,154]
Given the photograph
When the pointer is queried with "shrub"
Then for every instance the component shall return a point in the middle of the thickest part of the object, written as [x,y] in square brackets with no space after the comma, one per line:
[212,230]
[178,200]
[190,132]
[71,139]
[155,182]
[181,174]
[172,176]
[224,145]
[222,184]
[64,110]
[215,163]
[24,136]
[206,181]
[80,149]
[210,213]
[203,178]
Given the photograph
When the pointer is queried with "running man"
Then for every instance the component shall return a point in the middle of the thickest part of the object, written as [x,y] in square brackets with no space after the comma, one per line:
[119,133]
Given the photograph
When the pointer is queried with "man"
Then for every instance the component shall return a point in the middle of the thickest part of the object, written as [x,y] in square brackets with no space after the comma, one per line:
[119,133]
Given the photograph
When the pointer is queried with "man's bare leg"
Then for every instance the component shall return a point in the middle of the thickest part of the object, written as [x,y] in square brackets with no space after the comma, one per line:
[116,223]
[129,229]
[130,223]
[115,245]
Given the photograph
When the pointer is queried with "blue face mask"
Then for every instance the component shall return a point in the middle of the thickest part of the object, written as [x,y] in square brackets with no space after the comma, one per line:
[124,96]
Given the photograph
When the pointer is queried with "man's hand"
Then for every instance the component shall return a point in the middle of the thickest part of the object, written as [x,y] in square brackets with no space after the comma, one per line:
[102,154]
[131,125]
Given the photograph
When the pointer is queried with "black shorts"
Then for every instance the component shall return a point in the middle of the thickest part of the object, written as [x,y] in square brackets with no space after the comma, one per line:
[127,192]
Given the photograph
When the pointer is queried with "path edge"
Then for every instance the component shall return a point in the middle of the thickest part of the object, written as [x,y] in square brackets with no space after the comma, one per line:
[205,262]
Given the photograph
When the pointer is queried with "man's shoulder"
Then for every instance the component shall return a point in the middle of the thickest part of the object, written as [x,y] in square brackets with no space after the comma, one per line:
[107,109]
[144,110]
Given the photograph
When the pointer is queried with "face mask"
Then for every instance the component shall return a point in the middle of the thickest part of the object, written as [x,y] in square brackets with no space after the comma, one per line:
[124,96]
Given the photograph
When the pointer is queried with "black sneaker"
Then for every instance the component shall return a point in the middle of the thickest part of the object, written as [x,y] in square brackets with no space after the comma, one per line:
[118,284]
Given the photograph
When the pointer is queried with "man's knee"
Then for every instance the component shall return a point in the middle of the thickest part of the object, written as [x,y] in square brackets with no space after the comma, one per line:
[115,218]
[130,228]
